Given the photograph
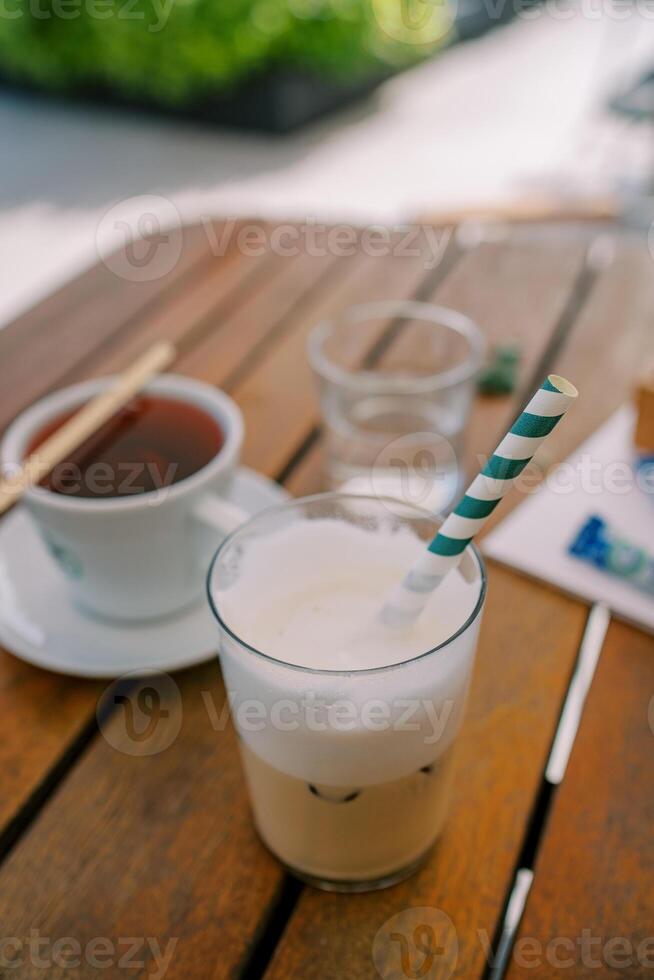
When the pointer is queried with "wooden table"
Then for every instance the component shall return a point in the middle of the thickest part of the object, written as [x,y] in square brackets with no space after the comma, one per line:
[99,845]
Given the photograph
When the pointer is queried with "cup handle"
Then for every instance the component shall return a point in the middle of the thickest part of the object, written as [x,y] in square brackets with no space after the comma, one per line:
[215,512]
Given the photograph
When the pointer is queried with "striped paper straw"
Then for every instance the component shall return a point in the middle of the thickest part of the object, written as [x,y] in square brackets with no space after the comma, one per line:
[531,428]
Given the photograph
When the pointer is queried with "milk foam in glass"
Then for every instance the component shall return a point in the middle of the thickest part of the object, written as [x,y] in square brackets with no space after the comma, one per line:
[346,727]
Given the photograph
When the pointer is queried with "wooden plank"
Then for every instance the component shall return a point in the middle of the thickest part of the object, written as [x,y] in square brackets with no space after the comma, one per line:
[591,908]
[58,339]
[227,351]
[151,846]
[219,286]
[611,341]
[55,305]
[517,292]
[40,715]
[285,375]
[234,298]
[102,280]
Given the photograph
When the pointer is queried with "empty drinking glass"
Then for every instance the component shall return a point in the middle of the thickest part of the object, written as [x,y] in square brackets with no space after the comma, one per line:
[396,382]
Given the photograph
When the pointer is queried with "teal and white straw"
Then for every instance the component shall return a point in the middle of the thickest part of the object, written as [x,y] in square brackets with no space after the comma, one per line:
[531,428]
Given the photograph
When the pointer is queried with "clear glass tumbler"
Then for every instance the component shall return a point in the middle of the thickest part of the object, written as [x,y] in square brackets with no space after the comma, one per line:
[349,771]
[396,381]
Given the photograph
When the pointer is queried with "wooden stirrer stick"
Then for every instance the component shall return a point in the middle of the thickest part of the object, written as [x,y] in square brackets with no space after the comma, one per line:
[84,423]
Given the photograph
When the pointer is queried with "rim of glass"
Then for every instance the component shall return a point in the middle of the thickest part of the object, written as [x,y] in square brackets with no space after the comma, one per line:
[335,497]
[442,316]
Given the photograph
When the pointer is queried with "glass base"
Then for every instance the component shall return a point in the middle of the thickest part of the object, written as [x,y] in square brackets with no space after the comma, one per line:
[364,885]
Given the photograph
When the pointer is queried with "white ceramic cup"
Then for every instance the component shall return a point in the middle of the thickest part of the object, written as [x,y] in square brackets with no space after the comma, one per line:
[142,556]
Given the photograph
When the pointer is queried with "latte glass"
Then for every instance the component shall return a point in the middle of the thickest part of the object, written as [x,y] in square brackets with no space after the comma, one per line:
[349,771]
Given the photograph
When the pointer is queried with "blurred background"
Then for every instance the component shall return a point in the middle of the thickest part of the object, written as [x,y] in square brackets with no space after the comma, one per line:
[321,110]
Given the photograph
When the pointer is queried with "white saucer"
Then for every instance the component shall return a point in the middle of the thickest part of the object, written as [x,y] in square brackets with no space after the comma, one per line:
[39,623]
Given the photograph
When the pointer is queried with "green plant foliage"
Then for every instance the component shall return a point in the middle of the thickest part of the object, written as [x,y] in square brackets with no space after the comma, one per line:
[171,50]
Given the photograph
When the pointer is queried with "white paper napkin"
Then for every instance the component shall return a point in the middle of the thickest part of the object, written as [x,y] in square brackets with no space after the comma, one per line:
[597,479]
